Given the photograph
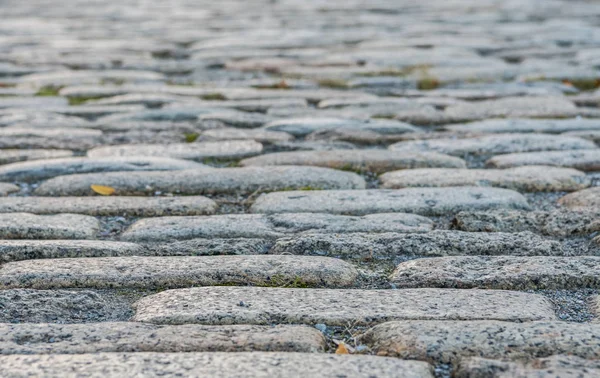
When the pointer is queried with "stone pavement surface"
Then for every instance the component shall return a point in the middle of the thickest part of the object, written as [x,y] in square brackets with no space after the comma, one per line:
[286,188]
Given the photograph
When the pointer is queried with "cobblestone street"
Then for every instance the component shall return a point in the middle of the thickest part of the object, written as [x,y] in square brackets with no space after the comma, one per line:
[300,188]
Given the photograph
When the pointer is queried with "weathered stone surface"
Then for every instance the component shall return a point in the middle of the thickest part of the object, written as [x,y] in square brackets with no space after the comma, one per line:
[44,169]
[496,144]
[357,160]
[254,305]
[191,151]
[584,160]
[213,246]
[331,223]
[305,126]
[269,227]
[60,226]
[69,138]
[433,243]
[259,135]
[500,272]
[555,223]
[226,365]
[138,337]
[6,189]
[177,271]
[523,125]
[549,367]
[13,156]
[110,205]
[587,199]
[513,107]
[593,135]
[425,201]
[452,341]
[201,181]
[525,179]
[60,306]
[15,250]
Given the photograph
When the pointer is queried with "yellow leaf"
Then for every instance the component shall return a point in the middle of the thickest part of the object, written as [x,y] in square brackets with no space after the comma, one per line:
[103,190]
[341,349]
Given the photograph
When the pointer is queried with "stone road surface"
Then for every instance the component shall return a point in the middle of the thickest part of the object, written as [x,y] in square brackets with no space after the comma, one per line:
[300,188]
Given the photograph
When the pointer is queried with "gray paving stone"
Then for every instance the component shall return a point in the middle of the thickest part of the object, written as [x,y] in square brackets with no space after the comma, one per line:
[433,243]
[451,341]
[357,160]
[47,168]
[500,272]
[110,205]
[60,306]
[525,179]
[331,223]
[61,226]
[523,125]
[6,189]
[139,337]
[13,156]
[224,365]
[96,111]
[587,199]
[584,160]
[208,247]
[593,135]
[269,226]
[15,250]
[202,181]
[496,144]
[254,305]
[177,271]
[259,135]
[514,107]
[549,367]
[424,201]
[191,151]
[555,223]
[305,126]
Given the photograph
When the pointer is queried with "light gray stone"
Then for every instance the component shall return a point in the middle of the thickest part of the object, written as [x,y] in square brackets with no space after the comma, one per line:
[336,307]
[500,272]
[496,144]
[177,271]
[357,160]
[6,189]
[549,367]
[424,201]
[45,169]
[523,125]
[587,199]
[524,179]
[433,243]
[208,247]
[60,226]
[213,364]
[15,250]
[139,337]
[269,226]
[12,156]
[68,138]
[110,205]
[513,107]
[451,341]
[305,126]
[593,135]
[203,181]
[192,151]
[555,223]
[61,306]
[584,160]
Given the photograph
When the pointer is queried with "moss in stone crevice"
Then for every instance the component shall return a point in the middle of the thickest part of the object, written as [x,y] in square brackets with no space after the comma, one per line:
[333,83]
[74,101]
[191,137]
[48,91]
[213,97]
